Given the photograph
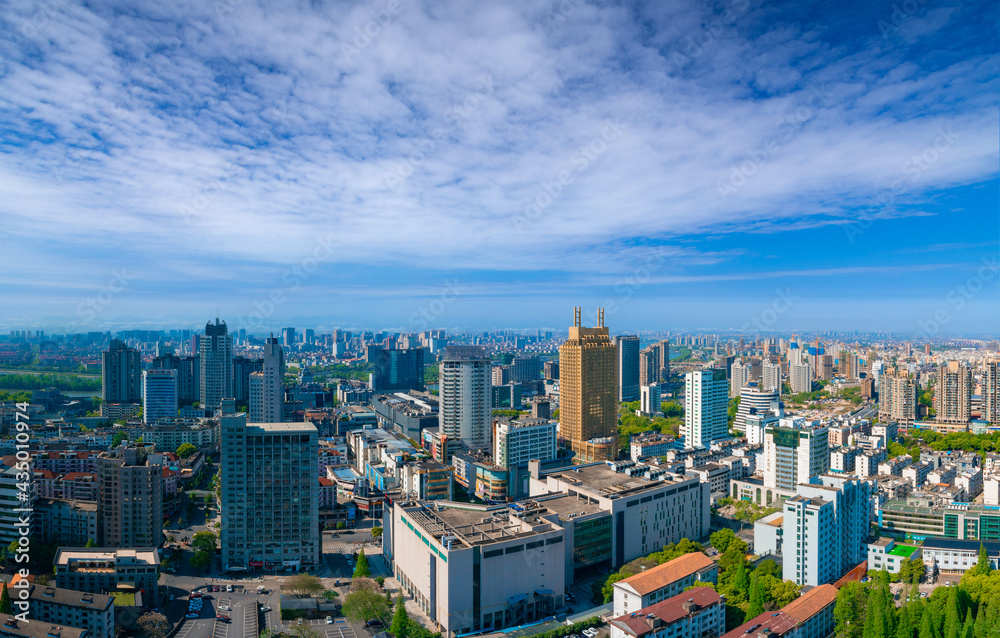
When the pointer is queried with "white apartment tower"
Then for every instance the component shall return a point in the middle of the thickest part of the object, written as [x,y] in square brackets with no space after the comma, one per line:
[800,377]
[465,395]
[267,390]
[706,406]
[739,376]
[953,394]
[771,376]
[794,452]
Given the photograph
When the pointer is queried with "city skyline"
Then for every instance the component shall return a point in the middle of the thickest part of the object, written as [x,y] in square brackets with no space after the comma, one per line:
[683,167]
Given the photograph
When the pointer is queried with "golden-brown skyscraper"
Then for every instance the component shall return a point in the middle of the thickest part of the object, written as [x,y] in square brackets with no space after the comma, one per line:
[588,391]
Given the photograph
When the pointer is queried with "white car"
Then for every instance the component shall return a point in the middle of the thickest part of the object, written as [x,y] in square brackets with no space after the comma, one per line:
[229,588]
[329,620]
[224,608]
[265,608]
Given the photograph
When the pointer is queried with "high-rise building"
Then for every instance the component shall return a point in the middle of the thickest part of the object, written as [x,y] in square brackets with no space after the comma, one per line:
[825,369]
[588,391]
[525,369]
[465,396]
[706,407]
[991,391]
[121,374]
[552,370]
[130,499]
[159,394]
[216,365]
[664,353]
[824,527]
[628,367]
[794,452]
[847,365]
[267,390]
[800,377]
[754,400]
[953,394]
[270,494]
[243,367]
[771,375]
[650,401]
[16,515]
[739,376]
[649,365]
[397,370]
[897,397]
[188,375]
[288,336]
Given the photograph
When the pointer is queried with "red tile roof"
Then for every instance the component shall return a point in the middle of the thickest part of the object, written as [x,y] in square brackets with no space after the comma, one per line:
[667,573]
[669,611]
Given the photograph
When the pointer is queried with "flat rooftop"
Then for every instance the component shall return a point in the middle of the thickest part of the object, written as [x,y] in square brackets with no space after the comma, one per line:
[603,478]
[477,526]
[147,555]
[283,428]
[569,504]
[10,626]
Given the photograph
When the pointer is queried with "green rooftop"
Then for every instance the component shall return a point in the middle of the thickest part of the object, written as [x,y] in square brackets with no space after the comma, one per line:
[123,598]
[902,550]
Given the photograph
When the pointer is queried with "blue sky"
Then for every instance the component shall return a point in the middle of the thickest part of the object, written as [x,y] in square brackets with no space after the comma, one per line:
[404,164]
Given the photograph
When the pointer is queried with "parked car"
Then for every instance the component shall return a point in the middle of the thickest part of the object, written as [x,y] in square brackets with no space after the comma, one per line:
[225,608]
[375,622]
[265,608]
[191,616]
[223,618]
[229,588]
[329,620]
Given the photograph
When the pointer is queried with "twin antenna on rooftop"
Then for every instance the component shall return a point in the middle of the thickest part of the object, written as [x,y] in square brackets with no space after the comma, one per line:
[577,323]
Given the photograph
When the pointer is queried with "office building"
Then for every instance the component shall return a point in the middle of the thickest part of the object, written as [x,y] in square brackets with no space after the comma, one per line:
[525,369]
[794,451]
[474,568]
[697,613]
[706,407]
[159,395]
[270,495]
[647,511]
[551,370]
[754,399]
[660,583]
[588,392]
[288,337]
[12,479]
[800,377]
[397,370]
[465,395]
[130,499]
[953,393]
[102,570]
[517,442]
[628,367]
[898,393]
[121,374]
[267,389]
[824,528]
[243,367]
[216,365]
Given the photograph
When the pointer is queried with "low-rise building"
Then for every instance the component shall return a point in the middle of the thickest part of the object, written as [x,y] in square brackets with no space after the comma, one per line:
[696,613]
[808,616]
[768,534]
[100,570]
[971,480]
[950,555]
[663,582]
[653,444]
[11,627]
[884,554]
[93,612]
[917,473]
[63,522]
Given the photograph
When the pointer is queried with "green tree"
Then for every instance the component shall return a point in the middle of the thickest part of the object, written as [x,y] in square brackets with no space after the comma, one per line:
[6,606]
[952,616]
[376,532]
[361,569]
[848,611]
[756,607]
[364,605]
[185,450]
[153,624]
[117,439]
[305,584]
[201,560]
[400,619]
[968,629]
[721,539]
[927,625]
[982,567]
[91,543]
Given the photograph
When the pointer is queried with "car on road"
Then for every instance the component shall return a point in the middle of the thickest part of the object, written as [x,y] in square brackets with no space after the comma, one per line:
[329,620]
